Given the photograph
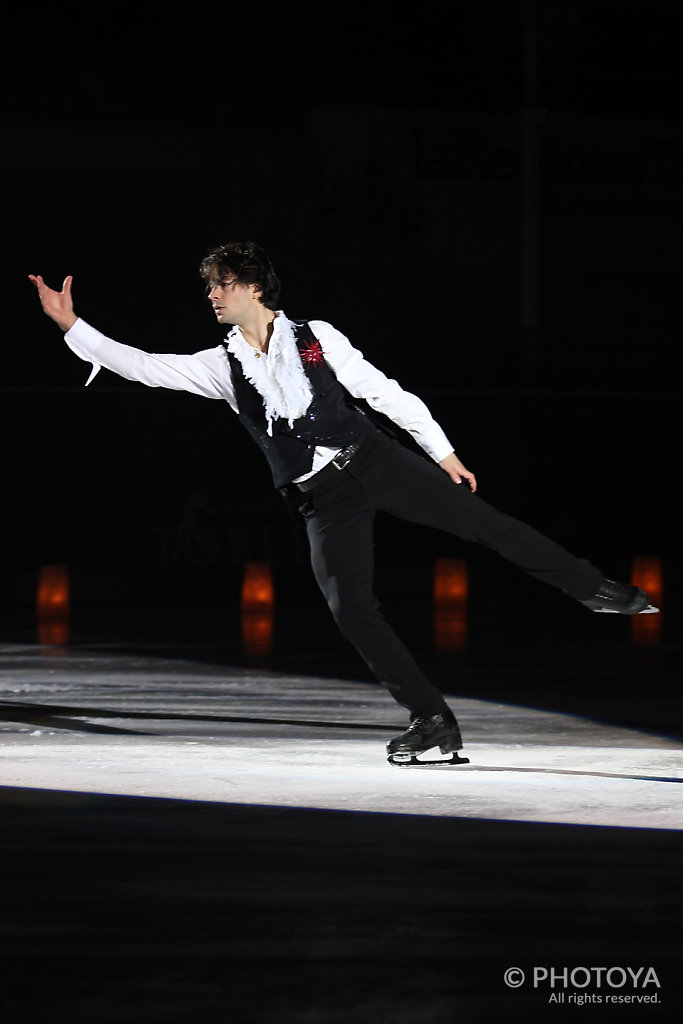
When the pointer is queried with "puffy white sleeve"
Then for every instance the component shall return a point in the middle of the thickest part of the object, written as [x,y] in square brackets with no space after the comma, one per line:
[204,373]
[364,380]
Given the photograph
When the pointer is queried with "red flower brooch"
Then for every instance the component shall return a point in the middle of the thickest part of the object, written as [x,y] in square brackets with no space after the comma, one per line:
[312,355]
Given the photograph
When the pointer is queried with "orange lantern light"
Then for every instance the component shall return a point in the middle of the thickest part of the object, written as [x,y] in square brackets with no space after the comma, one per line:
[451,589]
[53,605]
[257,608]
[646,630]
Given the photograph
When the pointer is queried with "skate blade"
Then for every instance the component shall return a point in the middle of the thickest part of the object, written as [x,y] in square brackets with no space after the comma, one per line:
[650,610]
[413,761]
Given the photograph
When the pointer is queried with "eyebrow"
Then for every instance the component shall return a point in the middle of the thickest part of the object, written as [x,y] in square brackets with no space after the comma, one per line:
[223,279]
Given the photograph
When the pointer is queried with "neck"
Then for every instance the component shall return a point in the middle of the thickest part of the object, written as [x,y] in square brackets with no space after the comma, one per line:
[258,328]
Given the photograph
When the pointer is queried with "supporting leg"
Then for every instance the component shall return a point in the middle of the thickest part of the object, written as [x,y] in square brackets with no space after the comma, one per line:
[341,540]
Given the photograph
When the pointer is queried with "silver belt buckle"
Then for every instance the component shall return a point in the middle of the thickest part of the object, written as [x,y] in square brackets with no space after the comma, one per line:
[342,458]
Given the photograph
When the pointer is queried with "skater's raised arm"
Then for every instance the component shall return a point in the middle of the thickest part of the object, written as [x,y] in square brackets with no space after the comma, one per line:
[204,373]
[57,305]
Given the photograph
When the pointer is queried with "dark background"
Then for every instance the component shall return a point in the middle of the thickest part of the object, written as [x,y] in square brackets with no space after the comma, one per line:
[485,196]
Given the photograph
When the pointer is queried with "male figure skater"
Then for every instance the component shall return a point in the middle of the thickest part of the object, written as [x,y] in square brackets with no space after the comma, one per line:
[289,383]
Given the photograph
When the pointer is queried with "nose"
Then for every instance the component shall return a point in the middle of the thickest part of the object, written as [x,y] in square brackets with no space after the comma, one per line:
[212,291]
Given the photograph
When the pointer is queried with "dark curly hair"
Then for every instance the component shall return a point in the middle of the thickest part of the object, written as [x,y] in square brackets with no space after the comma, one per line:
[249,263]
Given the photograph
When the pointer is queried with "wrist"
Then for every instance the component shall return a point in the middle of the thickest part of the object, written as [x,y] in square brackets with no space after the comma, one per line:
[67,323]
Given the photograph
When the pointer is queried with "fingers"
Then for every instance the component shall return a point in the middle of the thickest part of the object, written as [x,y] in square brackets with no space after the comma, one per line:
[470,478]
[464,474]
[39,283]
[457,472]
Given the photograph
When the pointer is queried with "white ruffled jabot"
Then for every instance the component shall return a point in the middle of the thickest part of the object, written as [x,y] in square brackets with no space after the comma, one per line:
[279,377]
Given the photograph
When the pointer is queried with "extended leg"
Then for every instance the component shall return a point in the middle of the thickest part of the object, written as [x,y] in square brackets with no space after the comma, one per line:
[342,557]
[411,488]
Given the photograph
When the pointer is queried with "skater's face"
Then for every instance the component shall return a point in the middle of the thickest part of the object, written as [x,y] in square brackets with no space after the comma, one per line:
[230,300]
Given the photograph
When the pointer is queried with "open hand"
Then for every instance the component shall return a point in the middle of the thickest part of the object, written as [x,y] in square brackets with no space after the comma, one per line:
[58,305]
[457,472]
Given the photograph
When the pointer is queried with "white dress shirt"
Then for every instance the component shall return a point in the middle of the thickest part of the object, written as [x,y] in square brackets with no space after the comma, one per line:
[208,373]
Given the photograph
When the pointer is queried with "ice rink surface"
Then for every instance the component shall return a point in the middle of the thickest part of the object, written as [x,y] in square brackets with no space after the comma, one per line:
[188,841]
[144,726]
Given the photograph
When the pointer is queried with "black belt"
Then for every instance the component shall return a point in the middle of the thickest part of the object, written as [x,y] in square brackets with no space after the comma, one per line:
[340,461]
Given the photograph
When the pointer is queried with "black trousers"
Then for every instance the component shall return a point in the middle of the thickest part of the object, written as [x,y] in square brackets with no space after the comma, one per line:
[339,515]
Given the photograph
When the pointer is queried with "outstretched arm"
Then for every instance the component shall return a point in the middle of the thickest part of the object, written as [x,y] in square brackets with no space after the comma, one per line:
[204,373]
[57,305]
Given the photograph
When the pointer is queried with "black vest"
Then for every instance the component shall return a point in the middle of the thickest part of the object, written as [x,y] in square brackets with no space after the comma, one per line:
[330,420]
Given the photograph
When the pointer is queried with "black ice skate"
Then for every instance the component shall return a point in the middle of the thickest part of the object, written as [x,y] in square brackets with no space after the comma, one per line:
[621,598]
[424,734]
